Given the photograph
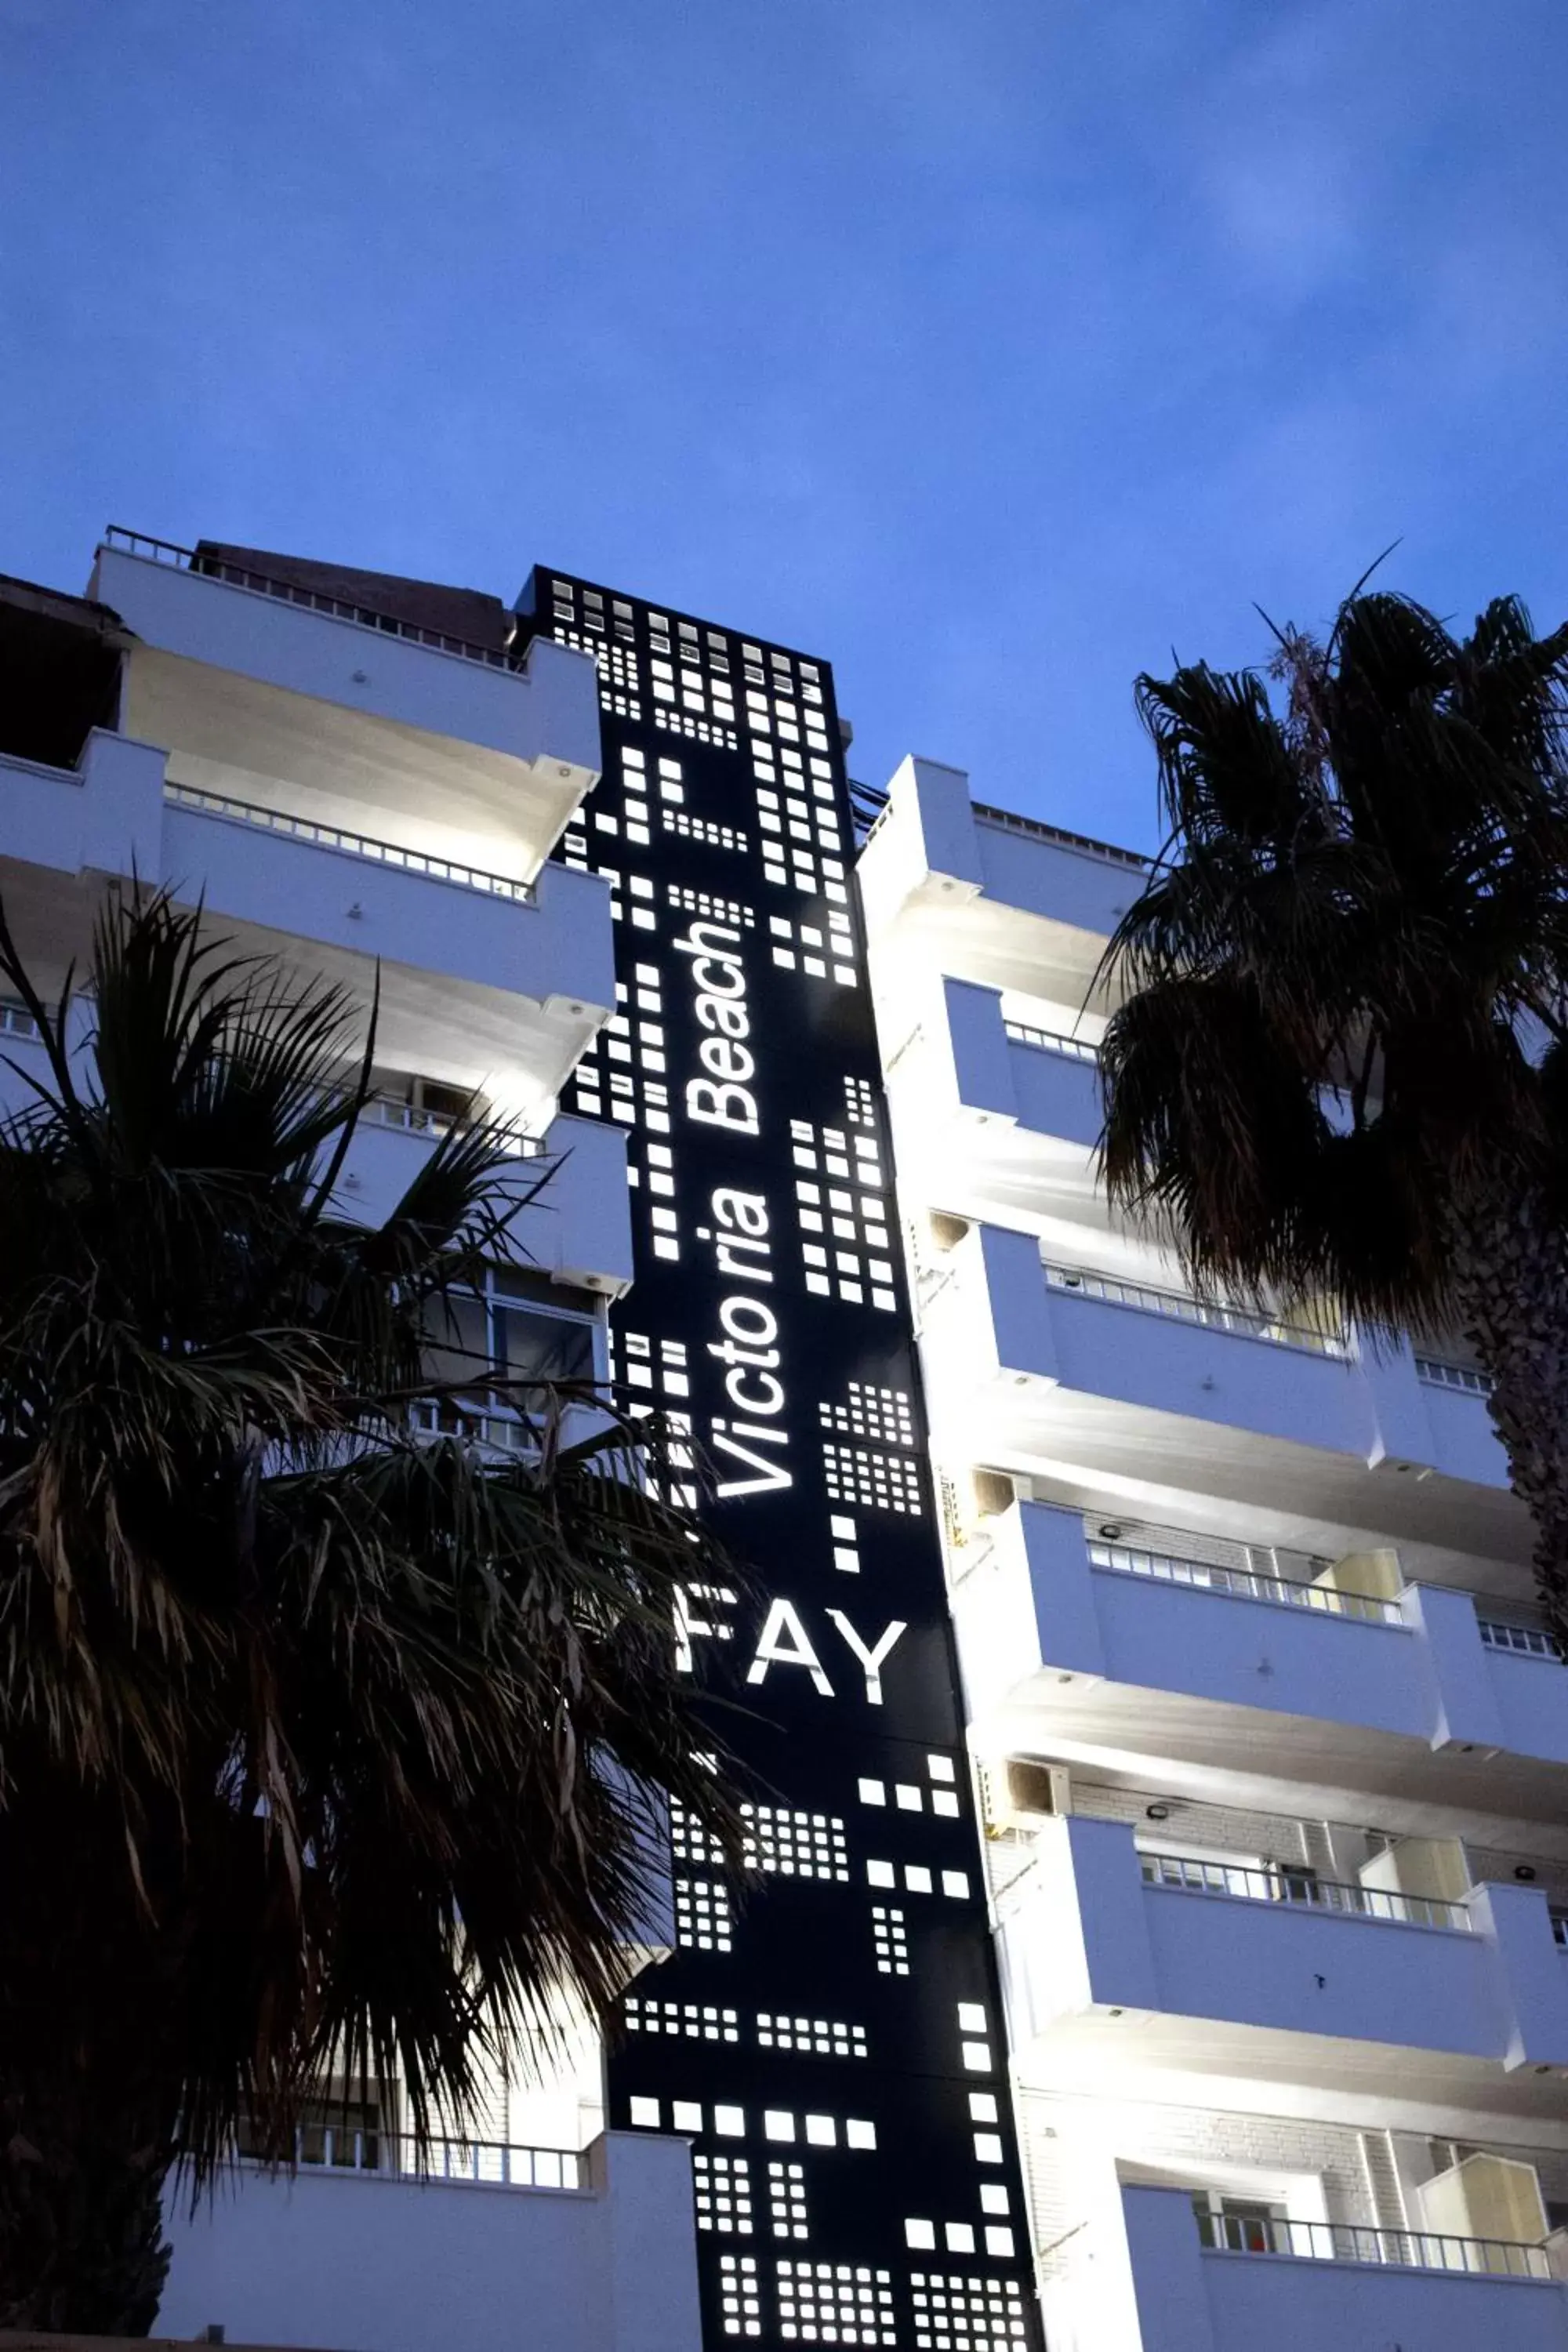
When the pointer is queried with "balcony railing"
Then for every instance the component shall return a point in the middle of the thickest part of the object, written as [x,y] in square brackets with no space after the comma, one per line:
[289,591]
[1354,2241]
[1279,1882]
[1053,1041]
[353,845]
[1245,1584]
[395,2155]
[16,1020]
[1061,839]
[1181,1307]
[1520,1640]
[413,1118]
[1439,1373]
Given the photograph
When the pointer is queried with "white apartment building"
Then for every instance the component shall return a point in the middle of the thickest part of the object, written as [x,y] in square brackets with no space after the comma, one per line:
[353,773]
[1273,1752]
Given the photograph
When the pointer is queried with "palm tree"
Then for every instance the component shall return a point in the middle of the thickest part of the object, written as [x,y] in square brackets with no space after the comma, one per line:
[1338,1075]
[326,1730]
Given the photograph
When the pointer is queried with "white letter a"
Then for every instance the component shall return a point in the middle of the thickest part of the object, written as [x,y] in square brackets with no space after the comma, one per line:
[782,1643]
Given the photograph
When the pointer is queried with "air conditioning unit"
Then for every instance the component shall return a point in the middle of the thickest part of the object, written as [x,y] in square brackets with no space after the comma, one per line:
[1035,1791]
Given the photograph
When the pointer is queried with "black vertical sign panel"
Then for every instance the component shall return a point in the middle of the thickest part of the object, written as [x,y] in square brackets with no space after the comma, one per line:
[829,2032]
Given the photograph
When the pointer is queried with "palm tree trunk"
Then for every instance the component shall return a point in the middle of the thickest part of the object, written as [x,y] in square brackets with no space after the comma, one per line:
[81,2223]
[1511,1275]
[89,2101]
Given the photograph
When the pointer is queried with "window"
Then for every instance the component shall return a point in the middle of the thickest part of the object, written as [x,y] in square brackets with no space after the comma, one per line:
[351,2134]
[1240,2225]
[423,1105]
[512,1330]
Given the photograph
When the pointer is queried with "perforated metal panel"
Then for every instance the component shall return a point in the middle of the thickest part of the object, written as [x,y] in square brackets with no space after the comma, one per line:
[829,2032]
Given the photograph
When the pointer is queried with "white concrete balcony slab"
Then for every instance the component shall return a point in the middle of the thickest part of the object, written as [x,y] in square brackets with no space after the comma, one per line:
[1145,1393]
[1298,2287]
[995,1118]
[576,1230]
[486,981]
[264,693]
[1117,1958]
[951,886]
[504,2249]
[1103,1651]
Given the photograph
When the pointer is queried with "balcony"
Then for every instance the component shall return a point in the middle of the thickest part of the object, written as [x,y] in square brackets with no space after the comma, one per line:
[1082,1648]
[1298,2286]
[998,900]
[486,980]
[994,1118]
[1117,1960]
[578,1228]
[246,679]
[1147,1394]
[540,2250]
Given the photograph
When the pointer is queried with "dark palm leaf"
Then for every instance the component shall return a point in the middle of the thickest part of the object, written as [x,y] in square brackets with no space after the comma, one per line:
[355,1731]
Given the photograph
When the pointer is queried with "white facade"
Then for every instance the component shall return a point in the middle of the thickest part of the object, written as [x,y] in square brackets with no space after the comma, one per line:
[375,807]
[1274,1757]
[597,2256]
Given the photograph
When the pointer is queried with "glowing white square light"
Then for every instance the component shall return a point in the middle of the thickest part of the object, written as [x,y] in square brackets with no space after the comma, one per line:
[908,1797]
[940,1768]
[992,2197]
[917,1878]
[999,2242]
[729,2123]
[983,2107]
[970,2017]
[873,1793]
[977,2056]
[960,2236]
[987,2149]
[777,2124]
[849,1561]
[685,2115]
[956,1884]
[881,1874]
[943,1801]
[859,2133]
[821,2131]
[920,2235]
[645,2113]
[838,1525]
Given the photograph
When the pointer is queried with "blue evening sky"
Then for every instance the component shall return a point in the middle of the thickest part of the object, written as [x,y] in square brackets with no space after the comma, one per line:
[991,348]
